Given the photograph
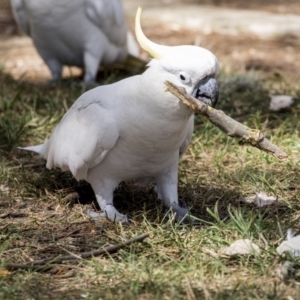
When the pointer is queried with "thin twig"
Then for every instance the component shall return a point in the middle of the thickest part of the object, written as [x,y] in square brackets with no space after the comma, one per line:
[63,258]
[70,196]
[13,215]
[231,127]
[27,166]
[60,236]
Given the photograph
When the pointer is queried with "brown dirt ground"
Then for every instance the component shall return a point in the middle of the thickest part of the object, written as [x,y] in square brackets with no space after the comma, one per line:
[276,6]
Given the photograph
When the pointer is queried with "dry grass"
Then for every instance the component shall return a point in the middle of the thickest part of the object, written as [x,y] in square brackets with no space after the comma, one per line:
[39,218]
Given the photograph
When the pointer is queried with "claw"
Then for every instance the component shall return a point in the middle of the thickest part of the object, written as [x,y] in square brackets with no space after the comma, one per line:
[109,213]
[92,214]
[182,215]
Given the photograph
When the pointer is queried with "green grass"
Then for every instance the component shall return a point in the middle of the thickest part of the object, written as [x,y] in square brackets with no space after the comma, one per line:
[178,261]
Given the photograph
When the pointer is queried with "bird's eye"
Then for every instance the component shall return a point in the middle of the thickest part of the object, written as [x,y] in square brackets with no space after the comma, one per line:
[185,78]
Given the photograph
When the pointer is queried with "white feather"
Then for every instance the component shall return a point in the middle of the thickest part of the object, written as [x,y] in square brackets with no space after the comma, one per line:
[20,15]
[83,33]
[131,129]
[40,149]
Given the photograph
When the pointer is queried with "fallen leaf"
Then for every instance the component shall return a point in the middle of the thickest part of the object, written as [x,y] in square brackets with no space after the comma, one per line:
[241,247]
[279,102]
[260,199]
[291,245]
[249,199]
[4,189]
[285,270]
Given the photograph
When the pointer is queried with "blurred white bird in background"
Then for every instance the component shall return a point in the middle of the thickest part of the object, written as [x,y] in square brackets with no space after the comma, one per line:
[134,129]
[82,33]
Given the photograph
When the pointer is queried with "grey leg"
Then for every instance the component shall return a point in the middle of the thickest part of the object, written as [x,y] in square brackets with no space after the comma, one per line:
[167,189]
[55,68]
[104,194]
[91,64]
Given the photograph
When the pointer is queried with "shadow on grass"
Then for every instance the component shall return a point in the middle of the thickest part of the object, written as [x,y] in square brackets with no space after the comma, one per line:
[139,202]
[37,286]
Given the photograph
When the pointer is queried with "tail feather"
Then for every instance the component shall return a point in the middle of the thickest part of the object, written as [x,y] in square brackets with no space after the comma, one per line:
[40,149]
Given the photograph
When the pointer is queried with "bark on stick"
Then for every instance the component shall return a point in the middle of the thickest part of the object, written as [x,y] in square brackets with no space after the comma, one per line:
[232,128]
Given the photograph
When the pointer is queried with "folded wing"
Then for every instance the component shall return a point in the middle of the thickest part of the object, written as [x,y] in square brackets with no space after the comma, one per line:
[82,140]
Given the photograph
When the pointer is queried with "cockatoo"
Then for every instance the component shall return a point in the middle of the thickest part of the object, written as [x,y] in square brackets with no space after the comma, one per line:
[83,33]
[134,129]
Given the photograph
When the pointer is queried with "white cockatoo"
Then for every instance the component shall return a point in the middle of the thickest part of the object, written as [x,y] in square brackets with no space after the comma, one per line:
[83,33]
[134,129]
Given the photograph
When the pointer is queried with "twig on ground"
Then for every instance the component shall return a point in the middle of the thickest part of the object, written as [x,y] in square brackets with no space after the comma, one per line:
[59,259]
[231,127]
[13,215]
[58,237]
[69,197]
[27,166]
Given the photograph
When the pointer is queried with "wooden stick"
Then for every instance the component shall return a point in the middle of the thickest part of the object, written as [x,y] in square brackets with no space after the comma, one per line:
[62,258]
[231,127]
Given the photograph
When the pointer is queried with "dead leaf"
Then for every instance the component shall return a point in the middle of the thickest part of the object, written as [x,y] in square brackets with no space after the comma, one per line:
[240,247]
[291,245]
[279,102]
[285,270]
[260,199]
[4,189]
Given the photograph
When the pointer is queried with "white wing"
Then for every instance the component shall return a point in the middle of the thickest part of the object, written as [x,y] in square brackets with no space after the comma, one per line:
[20,15]
[83,138]
[108,15]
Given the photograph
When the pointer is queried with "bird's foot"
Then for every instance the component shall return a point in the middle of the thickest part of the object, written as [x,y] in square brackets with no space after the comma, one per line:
[109,213]
[182,215]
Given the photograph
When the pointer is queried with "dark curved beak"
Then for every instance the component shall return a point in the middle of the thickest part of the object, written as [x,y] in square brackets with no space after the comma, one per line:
[207,91]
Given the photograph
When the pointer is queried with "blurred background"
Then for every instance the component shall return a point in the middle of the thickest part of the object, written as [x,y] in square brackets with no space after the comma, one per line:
[259,35]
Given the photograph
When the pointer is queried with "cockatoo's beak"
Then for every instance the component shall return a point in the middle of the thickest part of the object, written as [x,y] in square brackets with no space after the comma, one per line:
[207,91]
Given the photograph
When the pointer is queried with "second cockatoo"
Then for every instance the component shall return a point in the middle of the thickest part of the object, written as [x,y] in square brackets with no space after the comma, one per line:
[82,33]
[134,129]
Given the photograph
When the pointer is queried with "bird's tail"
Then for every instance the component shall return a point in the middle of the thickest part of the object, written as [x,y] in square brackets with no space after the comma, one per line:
[40,149]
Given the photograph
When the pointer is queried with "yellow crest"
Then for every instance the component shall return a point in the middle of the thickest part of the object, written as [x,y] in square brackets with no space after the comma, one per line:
[145,43]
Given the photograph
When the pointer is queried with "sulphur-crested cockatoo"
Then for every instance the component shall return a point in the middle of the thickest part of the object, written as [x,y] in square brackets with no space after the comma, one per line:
[134,129]
[83,33]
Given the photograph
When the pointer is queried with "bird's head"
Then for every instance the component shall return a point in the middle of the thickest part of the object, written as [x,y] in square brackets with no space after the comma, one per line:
[191,67]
